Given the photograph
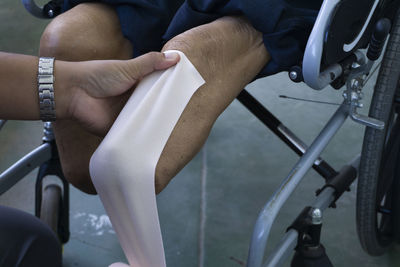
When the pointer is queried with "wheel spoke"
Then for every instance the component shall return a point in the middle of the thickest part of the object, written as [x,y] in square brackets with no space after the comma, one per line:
[384,210]
[385,225]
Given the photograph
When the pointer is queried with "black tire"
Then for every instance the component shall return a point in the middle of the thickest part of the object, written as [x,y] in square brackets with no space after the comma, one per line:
[50,206]
[378,173]
[396,206]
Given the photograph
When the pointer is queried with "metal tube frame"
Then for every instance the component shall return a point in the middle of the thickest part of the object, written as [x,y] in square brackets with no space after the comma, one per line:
[283,132]
[289,241]
[2,122]
[269,212]
[25,165]
[29,162]
[45,156]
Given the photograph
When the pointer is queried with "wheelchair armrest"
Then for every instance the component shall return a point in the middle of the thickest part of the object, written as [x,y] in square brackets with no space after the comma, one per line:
[314,76]
[314,49]
[34,9]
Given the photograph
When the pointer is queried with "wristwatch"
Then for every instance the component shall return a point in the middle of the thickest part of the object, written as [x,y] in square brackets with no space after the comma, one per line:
[46,89]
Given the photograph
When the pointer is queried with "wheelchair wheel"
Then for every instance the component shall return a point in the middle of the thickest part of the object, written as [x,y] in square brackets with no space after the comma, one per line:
[378,183]
[50,206]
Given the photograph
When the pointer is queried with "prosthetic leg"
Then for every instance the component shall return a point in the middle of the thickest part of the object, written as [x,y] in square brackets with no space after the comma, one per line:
[123,167]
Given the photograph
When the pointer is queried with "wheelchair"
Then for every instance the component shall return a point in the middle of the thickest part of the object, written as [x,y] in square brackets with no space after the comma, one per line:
[340,53]
[332,57]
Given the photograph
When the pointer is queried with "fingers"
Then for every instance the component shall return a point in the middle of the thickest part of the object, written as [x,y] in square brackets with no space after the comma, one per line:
[147,63]
[118,264]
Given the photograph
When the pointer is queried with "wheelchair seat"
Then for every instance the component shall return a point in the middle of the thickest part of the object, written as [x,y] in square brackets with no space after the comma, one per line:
[347,32]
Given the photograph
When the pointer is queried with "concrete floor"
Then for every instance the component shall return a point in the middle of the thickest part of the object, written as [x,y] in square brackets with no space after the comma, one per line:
[231,178]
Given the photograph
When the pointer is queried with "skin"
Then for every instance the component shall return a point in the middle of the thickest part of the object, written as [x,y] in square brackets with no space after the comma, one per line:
[90,93]
[228,53]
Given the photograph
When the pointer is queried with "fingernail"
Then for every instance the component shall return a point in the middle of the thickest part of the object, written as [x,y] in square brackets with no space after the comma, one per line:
[171,56]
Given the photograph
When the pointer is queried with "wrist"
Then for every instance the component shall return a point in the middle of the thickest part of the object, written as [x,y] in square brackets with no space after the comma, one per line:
[64,88]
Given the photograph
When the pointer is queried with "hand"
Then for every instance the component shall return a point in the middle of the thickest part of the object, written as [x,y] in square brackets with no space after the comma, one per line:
[101,88]
[119,264]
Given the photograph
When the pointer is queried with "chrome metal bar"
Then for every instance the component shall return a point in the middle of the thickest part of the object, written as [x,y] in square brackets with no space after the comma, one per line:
[300,145]
[283,250]
[312,74]
[324,199]
[25,165]
[289,241]
[282,132]
[2,122]
[269,212]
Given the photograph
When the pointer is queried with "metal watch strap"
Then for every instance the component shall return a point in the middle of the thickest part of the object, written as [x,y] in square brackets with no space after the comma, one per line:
[46,89]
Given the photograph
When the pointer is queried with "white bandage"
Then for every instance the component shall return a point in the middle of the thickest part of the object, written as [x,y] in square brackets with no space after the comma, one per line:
[123,167]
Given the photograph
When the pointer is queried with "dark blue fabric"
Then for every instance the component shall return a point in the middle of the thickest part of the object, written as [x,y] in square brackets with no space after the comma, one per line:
[285,24]
[143,22]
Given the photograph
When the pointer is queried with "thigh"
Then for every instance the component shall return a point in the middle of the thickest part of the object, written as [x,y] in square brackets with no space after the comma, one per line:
[86,32]
[228,53]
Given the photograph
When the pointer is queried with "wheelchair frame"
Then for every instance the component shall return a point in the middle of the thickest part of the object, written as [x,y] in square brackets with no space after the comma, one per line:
[310,158]
[46,158]
[336,182]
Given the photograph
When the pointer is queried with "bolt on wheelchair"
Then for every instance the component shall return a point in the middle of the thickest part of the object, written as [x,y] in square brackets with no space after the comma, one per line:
[334,56]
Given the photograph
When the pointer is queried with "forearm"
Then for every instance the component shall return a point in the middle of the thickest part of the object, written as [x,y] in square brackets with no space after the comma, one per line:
[19,89]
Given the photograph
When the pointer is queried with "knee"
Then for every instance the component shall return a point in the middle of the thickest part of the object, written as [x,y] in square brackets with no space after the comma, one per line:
[88,31]
[58,40]
[102,166]
[112,170]
[79,178]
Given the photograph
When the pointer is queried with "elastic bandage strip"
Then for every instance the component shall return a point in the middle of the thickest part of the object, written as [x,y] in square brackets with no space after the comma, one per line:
[123,166]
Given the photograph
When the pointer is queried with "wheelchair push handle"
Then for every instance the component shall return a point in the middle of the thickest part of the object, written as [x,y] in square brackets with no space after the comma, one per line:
[378,39]
[48,11]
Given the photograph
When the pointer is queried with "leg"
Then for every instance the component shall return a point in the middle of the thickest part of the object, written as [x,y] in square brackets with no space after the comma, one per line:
[228,53]
[160,129]
[26,241]
[88,31]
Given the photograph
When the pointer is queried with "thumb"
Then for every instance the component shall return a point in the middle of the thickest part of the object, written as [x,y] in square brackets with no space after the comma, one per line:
[150,62]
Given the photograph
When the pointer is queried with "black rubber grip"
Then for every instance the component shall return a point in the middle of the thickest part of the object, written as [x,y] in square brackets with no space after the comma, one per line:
[381,31]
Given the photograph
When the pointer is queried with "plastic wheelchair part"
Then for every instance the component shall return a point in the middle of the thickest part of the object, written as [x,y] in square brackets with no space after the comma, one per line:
[309,250]
[48,11]
[347,47]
